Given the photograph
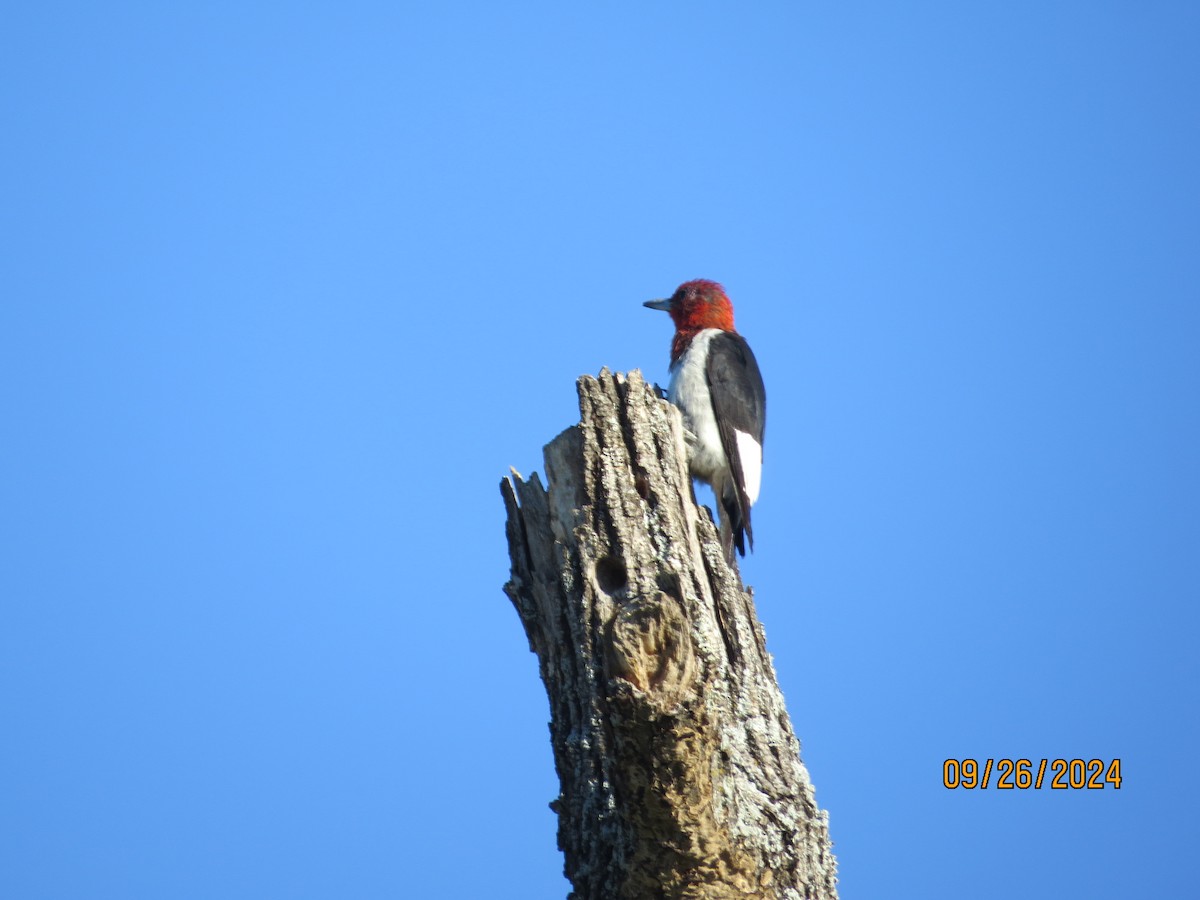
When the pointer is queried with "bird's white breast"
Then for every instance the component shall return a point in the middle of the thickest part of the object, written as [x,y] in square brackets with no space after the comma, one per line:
[690,392]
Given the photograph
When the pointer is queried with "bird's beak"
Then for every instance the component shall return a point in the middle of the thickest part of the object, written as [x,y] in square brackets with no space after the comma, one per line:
[664,305]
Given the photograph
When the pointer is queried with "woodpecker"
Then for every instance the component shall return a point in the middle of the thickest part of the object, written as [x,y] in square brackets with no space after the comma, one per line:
[715,382]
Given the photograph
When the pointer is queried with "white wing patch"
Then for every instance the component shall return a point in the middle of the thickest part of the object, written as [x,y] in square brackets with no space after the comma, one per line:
[750,453]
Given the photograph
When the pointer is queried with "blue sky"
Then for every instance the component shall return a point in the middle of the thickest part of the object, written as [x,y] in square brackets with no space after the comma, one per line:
[287,288]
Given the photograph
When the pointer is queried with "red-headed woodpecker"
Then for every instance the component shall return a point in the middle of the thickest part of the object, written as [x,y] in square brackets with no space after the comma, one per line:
[715,382]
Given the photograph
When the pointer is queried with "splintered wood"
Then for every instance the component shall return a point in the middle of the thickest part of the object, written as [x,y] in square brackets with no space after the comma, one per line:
[680,773]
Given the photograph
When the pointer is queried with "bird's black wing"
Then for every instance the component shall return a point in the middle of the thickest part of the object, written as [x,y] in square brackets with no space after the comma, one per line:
[739,402]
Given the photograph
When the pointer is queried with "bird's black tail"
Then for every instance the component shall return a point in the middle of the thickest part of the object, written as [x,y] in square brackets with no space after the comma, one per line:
[735,522]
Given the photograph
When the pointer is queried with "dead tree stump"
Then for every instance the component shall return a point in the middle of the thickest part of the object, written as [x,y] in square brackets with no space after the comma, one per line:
[680,773]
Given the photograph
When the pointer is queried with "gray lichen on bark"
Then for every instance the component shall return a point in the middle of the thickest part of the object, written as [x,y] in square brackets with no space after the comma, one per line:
[680,774]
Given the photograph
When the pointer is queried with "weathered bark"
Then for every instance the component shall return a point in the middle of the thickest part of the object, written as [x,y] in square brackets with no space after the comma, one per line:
[681,776]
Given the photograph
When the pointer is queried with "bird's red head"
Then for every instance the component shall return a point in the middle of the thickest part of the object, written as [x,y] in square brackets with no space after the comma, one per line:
[700,304]
[695,305]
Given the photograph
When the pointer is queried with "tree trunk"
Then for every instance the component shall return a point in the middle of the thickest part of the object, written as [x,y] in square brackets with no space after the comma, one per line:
[681,776]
